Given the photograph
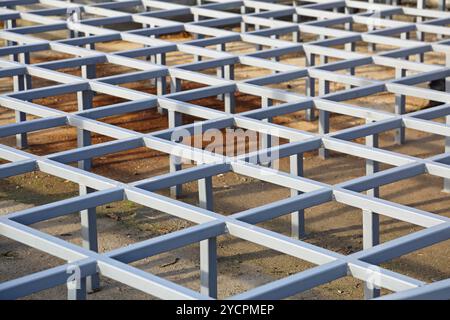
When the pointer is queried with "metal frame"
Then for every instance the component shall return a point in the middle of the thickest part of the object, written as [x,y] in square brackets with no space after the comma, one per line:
[263,23]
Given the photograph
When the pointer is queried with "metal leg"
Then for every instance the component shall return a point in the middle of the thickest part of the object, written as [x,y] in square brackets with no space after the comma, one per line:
[350,46]
[230,99]
[324,116]
[175,120]
[257,28]
[296,34]
[198,58]
[220,71]
[89,237]
[371,224]
[400,106]
[208,247]
[310,87]
[266,139]
[77,291]
[161,82]
[18,85]
[208,267]
[243,24]
[298,217]
[420,35]
[88,216]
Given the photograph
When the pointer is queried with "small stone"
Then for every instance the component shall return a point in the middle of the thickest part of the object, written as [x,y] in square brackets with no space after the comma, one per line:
[8,254]
[170,263]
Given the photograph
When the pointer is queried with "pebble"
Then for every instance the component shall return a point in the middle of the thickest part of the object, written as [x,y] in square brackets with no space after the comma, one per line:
[65,234]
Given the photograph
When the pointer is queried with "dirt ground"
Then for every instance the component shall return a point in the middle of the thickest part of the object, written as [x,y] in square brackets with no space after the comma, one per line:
[242,265]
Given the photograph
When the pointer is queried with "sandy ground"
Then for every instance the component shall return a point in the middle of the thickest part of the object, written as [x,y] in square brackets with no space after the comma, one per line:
[242,265]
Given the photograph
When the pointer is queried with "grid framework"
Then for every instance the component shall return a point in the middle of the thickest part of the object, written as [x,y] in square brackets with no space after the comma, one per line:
[275,29]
